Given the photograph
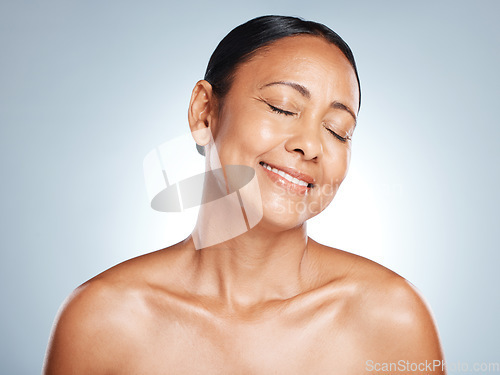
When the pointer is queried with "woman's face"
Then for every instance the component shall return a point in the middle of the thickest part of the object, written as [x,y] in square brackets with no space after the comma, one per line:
[292,109]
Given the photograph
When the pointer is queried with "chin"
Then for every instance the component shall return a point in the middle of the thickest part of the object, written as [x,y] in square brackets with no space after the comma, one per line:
[277,219]
[277,226]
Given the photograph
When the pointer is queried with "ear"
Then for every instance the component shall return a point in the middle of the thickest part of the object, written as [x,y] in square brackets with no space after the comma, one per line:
[201,113]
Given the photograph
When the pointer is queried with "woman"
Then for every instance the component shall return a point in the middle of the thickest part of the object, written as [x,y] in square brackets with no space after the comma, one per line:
[280,96]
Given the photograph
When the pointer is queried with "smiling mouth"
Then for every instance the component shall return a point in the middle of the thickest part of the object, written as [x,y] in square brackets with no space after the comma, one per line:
[288,177]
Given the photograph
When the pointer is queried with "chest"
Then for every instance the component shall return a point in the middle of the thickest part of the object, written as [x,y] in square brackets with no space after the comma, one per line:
[283,345]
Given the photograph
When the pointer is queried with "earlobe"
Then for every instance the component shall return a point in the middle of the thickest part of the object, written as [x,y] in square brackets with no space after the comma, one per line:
[202,137]
[201,133]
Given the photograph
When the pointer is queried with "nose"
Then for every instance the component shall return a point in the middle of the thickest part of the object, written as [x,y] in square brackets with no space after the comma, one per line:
[306,140]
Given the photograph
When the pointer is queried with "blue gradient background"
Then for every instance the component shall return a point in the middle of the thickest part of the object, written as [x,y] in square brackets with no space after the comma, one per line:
[88,88]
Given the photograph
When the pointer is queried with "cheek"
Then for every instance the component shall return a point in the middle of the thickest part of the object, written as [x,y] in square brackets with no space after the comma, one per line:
[336,169]
[245,137]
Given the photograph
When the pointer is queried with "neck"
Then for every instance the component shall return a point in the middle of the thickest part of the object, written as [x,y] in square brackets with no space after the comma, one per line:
[260,265]
[241,258]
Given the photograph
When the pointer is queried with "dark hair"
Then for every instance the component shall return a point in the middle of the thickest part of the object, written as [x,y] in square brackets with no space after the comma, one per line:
[243,42]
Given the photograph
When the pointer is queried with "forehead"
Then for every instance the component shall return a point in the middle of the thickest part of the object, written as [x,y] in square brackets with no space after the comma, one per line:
[309,60]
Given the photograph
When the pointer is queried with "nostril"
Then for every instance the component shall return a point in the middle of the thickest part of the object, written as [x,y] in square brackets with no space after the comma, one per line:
[299,150]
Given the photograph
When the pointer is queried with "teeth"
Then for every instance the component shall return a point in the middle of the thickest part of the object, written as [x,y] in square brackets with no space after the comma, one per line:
[285,175]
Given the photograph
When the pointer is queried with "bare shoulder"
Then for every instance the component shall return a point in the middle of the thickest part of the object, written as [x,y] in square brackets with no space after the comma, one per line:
[87,326]
[388,314]
[106,317]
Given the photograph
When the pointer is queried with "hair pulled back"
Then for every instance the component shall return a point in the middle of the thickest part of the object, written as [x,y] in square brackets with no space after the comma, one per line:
[245,40]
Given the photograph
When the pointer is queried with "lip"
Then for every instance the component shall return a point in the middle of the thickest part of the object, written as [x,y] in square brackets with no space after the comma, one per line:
[293,172]
[283,182]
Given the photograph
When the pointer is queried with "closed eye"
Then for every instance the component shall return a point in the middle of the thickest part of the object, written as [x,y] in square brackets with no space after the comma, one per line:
[280,111]
[341,139]
[288,113]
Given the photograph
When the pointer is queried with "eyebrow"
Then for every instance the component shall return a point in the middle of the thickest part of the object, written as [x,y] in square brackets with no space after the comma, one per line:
[307,94]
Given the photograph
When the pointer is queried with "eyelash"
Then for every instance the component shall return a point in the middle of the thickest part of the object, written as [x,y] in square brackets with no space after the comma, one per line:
[288,113]
[281,111]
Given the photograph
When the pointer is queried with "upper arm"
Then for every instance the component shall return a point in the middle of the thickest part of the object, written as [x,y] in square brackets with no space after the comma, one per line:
[421,326]
[407,332]
[84,336]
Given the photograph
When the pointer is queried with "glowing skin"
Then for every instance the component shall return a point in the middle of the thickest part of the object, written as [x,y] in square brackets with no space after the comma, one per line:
[280,111]
[271,301]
